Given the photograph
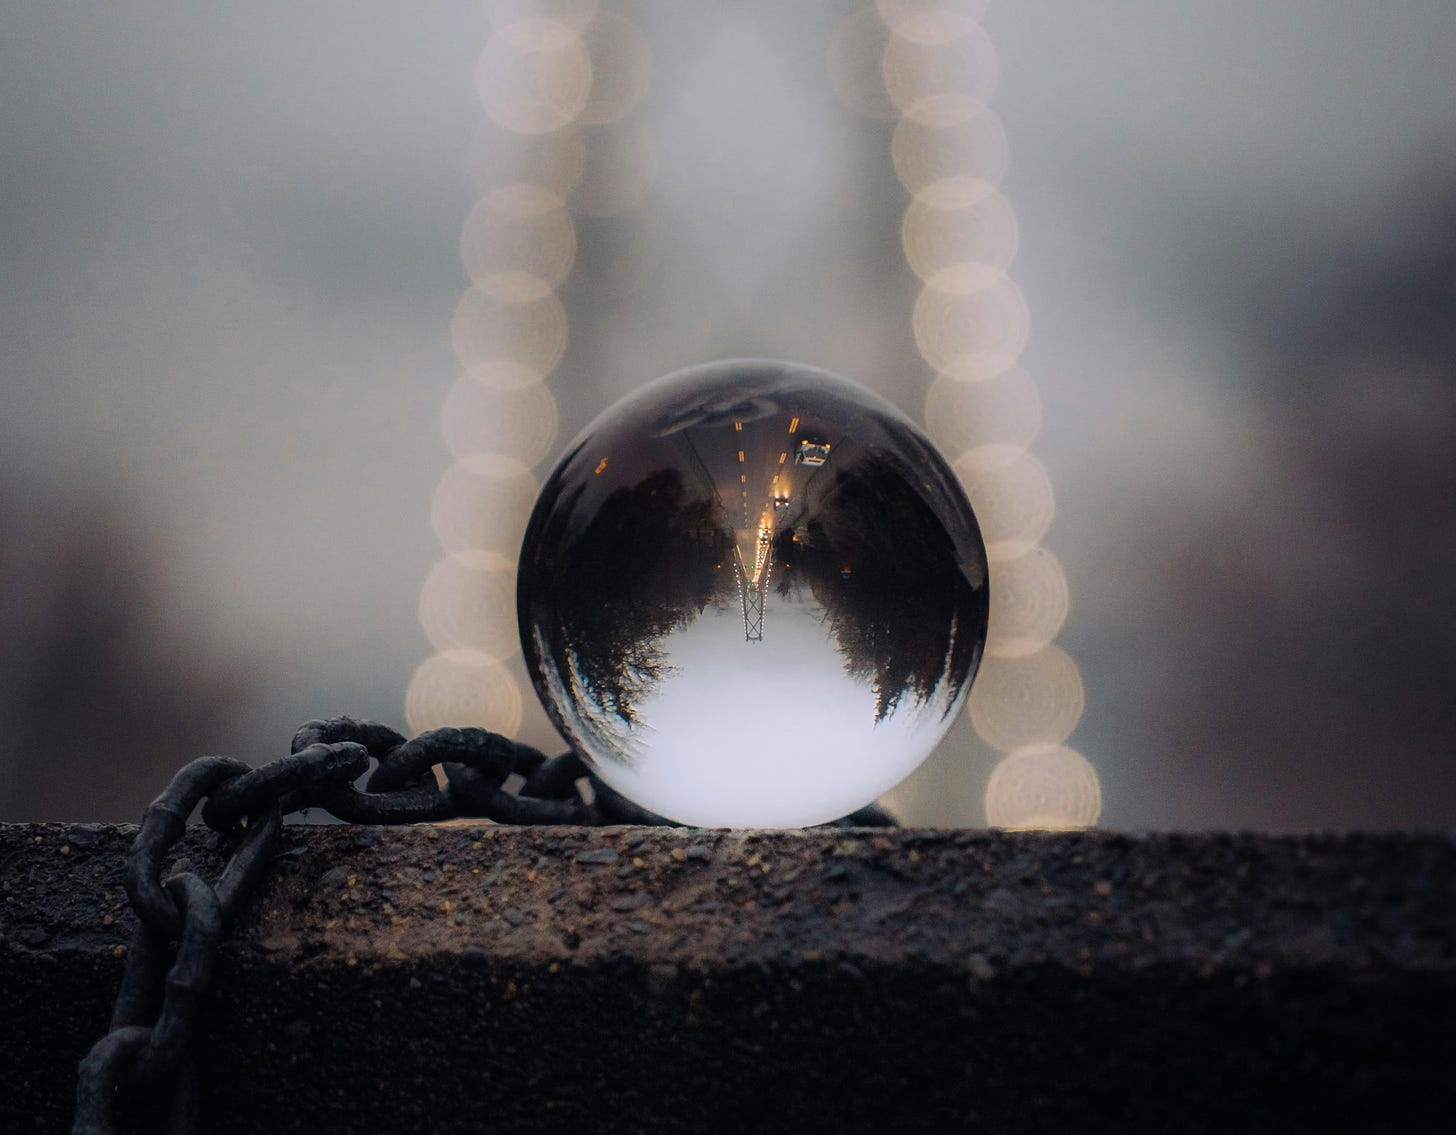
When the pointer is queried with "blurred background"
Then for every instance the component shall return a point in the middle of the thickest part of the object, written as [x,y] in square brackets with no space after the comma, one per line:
[299,301]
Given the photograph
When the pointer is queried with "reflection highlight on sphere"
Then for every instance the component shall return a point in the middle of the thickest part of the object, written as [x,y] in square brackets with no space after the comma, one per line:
[753,594]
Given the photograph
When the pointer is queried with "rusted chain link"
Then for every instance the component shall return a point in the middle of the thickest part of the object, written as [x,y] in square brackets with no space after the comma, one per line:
[142,1066]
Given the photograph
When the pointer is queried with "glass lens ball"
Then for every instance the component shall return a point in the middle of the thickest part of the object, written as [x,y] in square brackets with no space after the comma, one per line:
[752,594]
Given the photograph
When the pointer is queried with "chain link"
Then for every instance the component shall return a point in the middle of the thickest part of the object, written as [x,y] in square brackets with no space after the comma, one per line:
[143,1064]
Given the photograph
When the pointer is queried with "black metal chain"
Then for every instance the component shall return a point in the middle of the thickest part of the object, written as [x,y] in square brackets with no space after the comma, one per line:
[144,1062]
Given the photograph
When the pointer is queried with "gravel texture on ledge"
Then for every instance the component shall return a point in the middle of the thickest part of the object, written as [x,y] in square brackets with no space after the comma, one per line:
[441,979]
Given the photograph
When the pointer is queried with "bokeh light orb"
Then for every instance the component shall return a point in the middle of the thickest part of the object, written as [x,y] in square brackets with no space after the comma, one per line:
[752,594]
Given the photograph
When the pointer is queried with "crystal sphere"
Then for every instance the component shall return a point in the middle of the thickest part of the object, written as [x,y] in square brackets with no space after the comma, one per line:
[751,594]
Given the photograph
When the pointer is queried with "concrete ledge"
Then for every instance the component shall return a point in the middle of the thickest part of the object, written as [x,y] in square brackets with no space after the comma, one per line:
[669,980]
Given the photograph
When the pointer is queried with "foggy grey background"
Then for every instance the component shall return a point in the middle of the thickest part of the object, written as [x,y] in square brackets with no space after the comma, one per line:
[228,261]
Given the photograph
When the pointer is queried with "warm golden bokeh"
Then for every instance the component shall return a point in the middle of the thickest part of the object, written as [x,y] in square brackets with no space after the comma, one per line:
[508,345]
[940,84]
[1012,495]
[1029,603]
[520,422]
[534,75]
[1043,786]
[971,323]
[1035,699]
[974,147]
[463,687]
[959,235]
[518,243]
[469,600]
[483,502]
[1005,409]
[972,335]
[560,82]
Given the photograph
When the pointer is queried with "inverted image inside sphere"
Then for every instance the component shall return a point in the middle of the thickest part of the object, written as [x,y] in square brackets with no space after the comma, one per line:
[752,594]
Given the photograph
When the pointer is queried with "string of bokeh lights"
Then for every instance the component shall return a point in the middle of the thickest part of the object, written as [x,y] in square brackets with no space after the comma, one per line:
[929,67]
[558,81]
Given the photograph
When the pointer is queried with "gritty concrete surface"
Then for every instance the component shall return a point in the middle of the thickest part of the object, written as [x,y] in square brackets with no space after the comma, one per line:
[674,980]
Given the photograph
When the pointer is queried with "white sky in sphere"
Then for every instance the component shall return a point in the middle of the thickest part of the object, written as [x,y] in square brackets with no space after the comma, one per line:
[767,734]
